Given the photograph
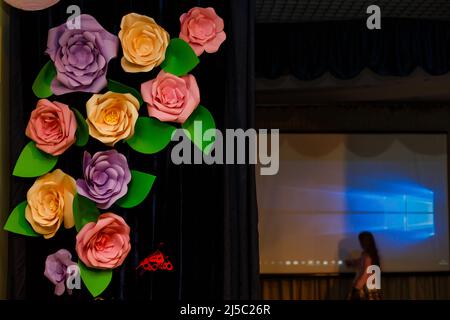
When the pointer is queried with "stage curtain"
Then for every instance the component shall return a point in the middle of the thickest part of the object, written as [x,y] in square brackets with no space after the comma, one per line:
[345,48]
[188,209]
[4,178]
[400,287]
[241,216]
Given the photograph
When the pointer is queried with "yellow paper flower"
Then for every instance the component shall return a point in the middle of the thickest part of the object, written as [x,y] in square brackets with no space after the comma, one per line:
[144,43]
[111,117]
[50,202]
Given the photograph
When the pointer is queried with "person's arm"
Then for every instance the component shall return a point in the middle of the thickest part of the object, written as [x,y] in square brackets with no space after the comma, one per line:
[362,279]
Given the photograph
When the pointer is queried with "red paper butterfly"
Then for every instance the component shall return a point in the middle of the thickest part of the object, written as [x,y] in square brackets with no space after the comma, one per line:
[156,261]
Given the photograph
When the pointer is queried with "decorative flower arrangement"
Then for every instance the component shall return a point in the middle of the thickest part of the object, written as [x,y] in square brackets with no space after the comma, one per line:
[79,63]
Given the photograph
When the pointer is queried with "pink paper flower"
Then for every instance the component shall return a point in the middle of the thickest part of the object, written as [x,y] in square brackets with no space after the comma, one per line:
[31,5]
[52,126]
[104,244]
[171,98]
[202,28]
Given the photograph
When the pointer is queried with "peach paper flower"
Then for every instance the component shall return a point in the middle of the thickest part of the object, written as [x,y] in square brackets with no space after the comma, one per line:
[50,202]
[111,116]
[144,43]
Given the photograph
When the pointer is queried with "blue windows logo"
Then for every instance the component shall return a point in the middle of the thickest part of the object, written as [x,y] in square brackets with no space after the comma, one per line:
[395,208]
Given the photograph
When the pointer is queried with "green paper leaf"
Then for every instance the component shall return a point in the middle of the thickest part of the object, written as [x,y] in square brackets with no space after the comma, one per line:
[84,211]
[201,114]
[180,58]
[33,162]
[82,129]
[95,280]
[138,189]
[150,135]
[42,85]
[17,223]
[118,87]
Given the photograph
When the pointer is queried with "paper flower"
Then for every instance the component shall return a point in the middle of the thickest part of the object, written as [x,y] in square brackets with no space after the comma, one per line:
[81,56]
[104,244]
[202,28]
[106,177]
[50,202]
[52,126]
[31,5]
[144,43]
[171,98]
[56,266]
[111,116]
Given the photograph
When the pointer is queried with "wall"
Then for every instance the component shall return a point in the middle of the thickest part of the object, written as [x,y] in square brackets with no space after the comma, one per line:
[367,86]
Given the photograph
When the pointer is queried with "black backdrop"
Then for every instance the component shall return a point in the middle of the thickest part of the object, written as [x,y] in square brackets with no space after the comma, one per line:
[344,48]
[205,215]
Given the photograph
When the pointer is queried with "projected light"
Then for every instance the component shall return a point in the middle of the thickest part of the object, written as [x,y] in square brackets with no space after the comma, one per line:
[331,187]
[397,207]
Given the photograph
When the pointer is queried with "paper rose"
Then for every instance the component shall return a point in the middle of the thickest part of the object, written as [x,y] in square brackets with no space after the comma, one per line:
[111,116]
[104,244]
[81,56]
[31,5]
[202,28]
[56,271]
[106,177]
[52,126]
[171,98]
[144,43]
[50,202]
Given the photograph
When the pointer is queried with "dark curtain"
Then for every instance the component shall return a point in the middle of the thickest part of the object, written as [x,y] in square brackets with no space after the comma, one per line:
[205,215]
[345,48]
[241,235]
[395,287]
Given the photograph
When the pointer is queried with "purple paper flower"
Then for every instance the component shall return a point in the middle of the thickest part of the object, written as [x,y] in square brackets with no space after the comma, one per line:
[81,56]
[56,266]
[106,177]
